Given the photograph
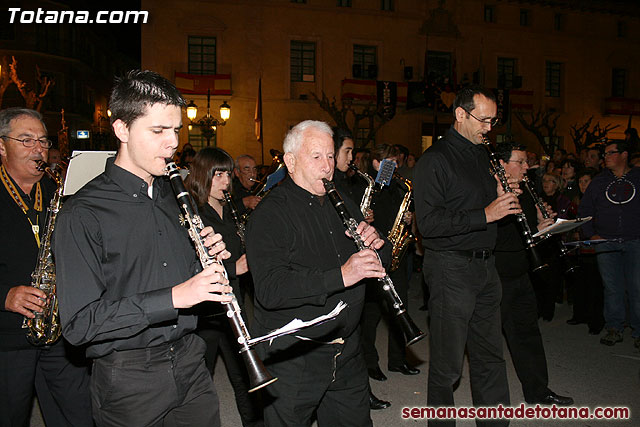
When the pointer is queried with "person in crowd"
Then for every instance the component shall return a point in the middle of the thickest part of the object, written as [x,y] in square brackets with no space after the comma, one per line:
[209,178]
[386,204]
[458,205]
[57,373]
[361,158]
[411,161]
[187,157]
[348,187]
[632,139]
[612,200]
[586,282]
[244,183]
[303,264]
[569,184]
[551,185]
[518,306]
[127,272]
[592,158]
[559,155]
[403,168]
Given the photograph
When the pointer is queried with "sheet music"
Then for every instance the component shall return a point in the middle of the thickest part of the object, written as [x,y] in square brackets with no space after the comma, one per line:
[297,324]
[83,167]
[562,226]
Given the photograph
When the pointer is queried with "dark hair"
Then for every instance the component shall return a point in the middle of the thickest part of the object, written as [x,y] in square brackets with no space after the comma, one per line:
[9,114]
[464,98]
[186,153]
[586,171]
[383,151]
[205,164]
[620,144]
[137,90]
[504,149]
[339,135]
[402,149]
[573,163]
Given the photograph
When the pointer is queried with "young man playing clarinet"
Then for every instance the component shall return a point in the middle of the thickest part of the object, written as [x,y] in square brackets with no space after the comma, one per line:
[127,272]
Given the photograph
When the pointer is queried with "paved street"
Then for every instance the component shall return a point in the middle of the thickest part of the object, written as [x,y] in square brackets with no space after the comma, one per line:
[579,366]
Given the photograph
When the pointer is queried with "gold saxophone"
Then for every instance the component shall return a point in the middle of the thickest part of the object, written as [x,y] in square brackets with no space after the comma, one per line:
[400,235]
[44,328]
[365,203]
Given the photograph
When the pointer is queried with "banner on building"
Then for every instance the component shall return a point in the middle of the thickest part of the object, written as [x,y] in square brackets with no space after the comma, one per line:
[220,84]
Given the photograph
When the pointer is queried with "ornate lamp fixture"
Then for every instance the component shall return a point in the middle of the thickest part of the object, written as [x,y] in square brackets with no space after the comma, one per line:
[208,124]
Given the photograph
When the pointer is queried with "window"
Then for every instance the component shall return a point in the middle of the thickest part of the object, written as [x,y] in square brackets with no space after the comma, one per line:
[344,3]
[553,76]
[525,17]
[618,82]
[439,65]
[386,5]
[506,73]
[559,21]
[198,141]
[202,55]
[362,137]
[622,29]
[365,62]
[303,61]
[489,14]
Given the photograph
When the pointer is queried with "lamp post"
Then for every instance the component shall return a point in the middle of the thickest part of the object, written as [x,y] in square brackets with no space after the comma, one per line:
[208,124]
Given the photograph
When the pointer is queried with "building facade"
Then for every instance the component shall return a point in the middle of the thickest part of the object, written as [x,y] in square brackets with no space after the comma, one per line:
[575,58]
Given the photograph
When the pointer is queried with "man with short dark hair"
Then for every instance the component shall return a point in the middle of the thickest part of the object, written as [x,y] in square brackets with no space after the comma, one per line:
[519,308]
[458,204]
[127,271]
[612,200]
[592,158]
[59,371]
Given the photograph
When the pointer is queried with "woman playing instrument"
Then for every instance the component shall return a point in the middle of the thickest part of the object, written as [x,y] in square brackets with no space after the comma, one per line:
[209,178]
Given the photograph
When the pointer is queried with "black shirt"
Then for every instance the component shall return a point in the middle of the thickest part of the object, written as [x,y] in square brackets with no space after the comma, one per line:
[239,193]
[452,186]
[296,245]
[118,254]
[511,254]
[18,255]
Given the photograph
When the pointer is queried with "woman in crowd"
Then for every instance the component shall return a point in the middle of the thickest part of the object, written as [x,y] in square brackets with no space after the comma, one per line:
[209,177]
[570,185]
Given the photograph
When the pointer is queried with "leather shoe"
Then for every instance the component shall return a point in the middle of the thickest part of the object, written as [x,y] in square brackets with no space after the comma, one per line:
[375,403]
[376,374]
[554,399]
[404,369]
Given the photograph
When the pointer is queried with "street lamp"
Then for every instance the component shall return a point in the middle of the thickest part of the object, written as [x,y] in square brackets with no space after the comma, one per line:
[208,124]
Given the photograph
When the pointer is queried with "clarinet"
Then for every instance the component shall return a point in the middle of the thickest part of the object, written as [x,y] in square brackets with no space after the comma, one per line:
[240,226]
[411,332]
[562,250]
[529,241]
[258,375]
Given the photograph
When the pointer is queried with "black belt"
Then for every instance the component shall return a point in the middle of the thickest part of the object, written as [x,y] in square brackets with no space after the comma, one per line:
[478,253]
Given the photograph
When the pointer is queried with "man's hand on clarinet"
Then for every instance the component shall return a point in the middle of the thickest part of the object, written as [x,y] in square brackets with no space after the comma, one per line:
[208,285]
[361,265]
[504,205]
[213,241]
[369,235]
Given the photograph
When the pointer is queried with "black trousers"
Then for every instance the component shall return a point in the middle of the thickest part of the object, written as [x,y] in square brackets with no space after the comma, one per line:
[520,327]
[61,378]
[464,309]
[167,385]
[588,300]
[218,336]
[327,379]
[375,306]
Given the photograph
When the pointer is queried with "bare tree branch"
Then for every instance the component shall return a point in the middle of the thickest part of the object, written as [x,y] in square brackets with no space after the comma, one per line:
[31,99]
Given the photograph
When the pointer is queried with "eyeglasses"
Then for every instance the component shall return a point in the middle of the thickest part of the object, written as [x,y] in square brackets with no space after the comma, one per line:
[31,142]
[489,121]
[521,162]
[608,153]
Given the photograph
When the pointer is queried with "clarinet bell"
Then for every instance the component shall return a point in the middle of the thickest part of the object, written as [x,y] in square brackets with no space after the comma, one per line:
[412,333]
[537,264]
[258,375]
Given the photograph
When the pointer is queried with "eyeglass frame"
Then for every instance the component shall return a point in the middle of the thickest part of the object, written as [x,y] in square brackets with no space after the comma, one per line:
[32,144]
[522,162]
[492,122]
[608,153]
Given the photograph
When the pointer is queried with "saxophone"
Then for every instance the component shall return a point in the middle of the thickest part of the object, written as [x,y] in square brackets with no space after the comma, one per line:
[44,328]
[400,235]
[368,192]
